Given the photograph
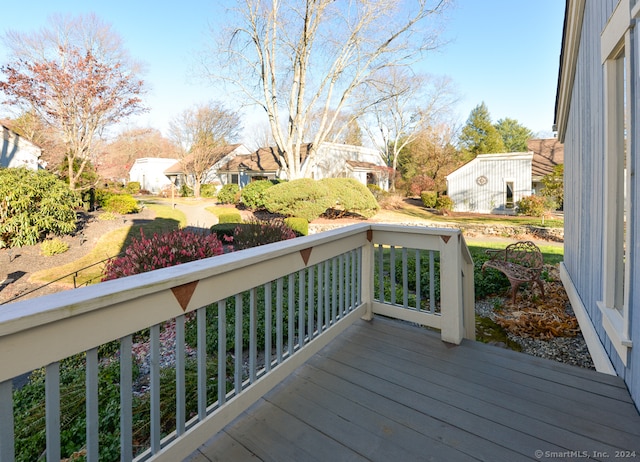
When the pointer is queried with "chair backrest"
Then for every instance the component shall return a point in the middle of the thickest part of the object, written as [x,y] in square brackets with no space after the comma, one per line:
[524,253]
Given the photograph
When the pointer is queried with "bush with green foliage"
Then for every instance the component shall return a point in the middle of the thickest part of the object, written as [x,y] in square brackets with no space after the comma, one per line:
[133,187]
[429,199]
[230,217]
[252,195]
[122,204]
[185,190]
[224,231]
[208,190]
[52,247]
[300,226]
[377,191]
[161,251]
[534,206]
[351,196]
[444,204]
[303,198]
[554,185]
[34,204]
[228,193]
[257,232]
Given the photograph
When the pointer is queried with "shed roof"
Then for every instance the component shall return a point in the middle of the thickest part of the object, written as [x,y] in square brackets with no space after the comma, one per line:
[547,153]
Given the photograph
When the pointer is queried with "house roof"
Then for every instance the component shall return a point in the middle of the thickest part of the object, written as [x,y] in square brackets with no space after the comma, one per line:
[547,153]
[364,165]
[218,153]
[262,160]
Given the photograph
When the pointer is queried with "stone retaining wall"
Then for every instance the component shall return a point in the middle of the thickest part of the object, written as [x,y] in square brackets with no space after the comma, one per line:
[497,230]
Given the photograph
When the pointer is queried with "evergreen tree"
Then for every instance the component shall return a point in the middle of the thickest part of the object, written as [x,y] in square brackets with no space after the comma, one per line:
[514,135]
[479,136]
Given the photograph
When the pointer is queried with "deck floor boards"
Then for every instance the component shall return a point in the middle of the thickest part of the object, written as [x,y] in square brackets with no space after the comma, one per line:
[386,390]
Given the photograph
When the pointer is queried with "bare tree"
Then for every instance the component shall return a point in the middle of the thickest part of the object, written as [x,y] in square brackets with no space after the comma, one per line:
[430,157]
[202,134]
[130,145]
[411,103]
[294,58]
[77,77]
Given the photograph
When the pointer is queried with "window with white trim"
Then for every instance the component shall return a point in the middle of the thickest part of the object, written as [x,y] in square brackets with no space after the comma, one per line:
[616,47]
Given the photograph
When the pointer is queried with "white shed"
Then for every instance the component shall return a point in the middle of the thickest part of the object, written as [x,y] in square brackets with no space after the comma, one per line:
[15,151]
[491,183]
[149,172]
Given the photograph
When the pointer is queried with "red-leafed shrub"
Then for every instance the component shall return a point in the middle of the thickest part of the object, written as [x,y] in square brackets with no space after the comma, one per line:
[161,251]
[255,233]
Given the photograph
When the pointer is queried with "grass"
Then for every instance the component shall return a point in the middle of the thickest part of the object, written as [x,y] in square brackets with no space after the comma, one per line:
[109,245]
[552,254]
[420,212]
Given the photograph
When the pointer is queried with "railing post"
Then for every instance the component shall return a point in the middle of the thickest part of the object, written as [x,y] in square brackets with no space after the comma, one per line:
[367,276]
[451,303]
[469,298]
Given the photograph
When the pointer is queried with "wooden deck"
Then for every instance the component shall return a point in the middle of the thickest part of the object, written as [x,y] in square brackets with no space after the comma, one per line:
[388,391]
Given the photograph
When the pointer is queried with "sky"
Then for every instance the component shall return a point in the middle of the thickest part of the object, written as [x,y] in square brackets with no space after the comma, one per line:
[504,53]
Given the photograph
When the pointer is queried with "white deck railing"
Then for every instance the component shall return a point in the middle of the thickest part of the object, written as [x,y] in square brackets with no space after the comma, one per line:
[261,313]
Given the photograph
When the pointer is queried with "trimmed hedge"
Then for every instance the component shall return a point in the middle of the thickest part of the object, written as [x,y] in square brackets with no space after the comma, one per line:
[228,193]
[444,204]
[230,217]
[303,198]
[300,226]
[429,198]
[122,204]
[252,195]
[351,196]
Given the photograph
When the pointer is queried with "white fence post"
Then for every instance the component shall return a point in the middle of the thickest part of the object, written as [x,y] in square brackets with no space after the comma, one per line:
[367,276]
[452,306]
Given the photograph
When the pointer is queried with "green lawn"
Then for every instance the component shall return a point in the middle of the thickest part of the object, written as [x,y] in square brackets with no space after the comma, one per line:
[111,244]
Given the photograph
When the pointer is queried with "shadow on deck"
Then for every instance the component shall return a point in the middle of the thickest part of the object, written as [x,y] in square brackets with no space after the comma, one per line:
[386,390]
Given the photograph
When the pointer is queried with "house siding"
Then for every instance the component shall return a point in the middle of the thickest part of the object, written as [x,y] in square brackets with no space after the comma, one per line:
[469,196]
[16,151]
[584,146]
[149,172]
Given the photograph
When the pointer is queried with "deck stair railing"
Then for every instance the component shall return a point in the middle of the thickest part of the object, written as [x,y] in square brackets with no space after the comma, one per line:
[191,347]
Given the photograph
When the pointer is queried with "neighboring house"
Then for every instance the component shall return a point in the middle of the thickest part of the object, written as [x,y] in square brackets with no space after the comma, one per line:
[491,183]
[15,151]
[547,154]
[597,109]
[149,172]
[225,154]
[331,160]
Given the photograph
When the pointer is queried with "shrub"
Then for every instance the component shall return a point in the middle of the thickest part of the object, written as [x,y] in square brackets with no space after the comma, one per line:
[534,206]
[122,204]
[185,190]
[429,198]
[224,230]
[304,198]
[33,204]
[392,202]
[161,251]
[252,195]
[102,195]
[208,190]
[133,187]
[255,233]
[444,204]
[300,226]
[53,247]
[377,192]
[420,183]
[230,217]
[227,194]
[351,196]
